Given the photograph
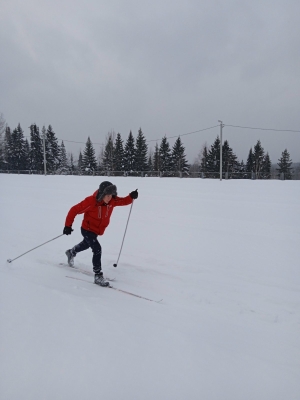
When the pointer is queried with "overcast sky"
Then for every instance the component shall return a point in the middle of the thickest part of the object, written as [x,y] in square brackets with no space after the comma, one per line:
[170,67]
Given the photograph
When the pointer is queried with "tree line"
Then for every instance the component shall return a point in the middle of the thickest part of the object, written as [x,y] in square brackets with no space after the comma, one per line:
[18,153]
[130,156]
[258,163]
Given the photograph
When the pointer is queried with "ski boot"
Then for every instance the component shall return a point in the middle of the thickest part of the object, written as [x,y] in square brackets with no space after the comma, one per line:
[70,256]
[99,280]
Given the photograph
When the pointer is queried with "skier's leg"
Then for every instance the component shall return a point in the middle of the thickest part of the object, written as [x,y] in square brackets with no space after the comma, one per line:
[90,240]
[97,252]
[84,245]
[99,278]
[71,253]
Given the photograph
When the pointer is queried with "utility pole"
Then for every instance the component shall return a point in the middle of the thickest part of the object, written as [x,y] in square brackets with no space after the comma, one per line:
[44,145]
[221,146]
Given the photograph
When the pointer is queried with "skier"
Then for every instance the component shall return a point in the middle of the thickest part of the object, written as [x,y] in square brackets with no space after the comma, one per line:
[97,210]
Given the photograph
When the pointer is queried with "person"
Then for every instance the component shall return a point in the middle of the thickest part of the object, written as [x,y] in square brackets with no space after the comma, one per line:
[97,210]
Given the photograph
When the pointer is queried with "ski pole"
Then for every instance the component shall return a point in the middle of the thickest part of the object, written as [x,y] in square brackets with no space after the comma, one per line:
[11,260]
[116,264]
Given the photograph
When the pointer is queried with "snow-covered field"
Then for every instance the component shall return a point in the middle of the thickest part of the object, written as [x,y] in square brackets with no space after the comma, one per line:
[224,256]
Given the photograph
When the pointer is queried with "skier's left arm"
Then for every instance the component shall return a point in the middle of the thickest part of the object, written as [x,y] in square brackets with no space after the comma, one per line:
[125,201]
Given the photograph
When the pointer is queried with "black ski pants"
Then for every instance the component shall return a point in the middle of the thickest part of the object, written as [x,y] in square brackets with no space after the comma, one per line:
[90,240]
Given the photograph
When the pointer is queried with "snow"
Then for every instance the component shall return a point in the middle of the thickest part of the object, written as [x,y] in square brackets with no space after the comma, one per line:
[224,256]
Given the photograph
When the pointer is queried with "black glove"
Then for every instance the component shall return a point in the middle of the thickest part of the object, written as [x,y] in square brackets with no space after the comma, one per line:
[67,230]
[134,195]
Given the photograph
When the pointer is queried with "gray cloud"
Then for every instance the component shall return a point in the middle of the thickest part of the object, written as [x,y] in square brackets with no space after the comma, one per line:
[169,67]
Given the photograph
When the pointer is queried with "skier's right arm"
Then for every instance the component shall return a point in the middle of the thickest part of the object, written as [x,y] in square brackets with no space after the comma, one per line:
[79,208]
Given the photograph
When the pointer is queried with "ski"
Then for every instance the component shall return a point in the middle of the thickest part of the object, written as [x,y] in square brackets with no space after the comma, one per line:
[119,290]
[83,271]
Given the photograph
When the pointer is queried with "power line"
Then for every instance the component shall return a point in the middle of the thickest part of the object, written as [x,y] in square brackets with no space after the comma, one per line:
[200,130]
[147,141]
[263,129]
[184,134]
[72,141]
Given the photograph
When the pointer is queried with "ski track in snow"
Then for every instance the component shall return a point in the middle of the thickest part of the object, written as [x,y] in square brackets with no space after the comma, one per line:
[224,256]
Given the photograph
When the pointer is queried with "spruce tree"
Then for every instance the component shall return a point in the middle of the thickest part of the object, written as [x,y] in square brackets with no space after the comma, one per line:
[129,154]
[179,162]
[36,149]
[89,162]
[203,167]
[71,163]
[258,159]
[119,154]
[213,158]
[266,167]
[52,150]
[242,170]
[79,163]
[18,156]
[150,161]
[44,136]
[27,155]
[229,159]
[8,149]
[2,132]
[156,159]
[250,162]
[109,153]
[141,149]
[165,156]
[285,165]
[63,167]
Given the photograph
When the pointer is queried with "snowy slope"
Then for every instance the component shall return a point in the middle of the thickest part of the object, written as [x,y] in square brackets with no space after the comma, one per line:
[224,256]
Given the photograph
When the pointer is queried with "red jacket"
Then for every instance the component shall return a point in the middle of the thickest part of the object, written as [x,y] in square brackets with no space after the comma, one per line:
[96,214]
